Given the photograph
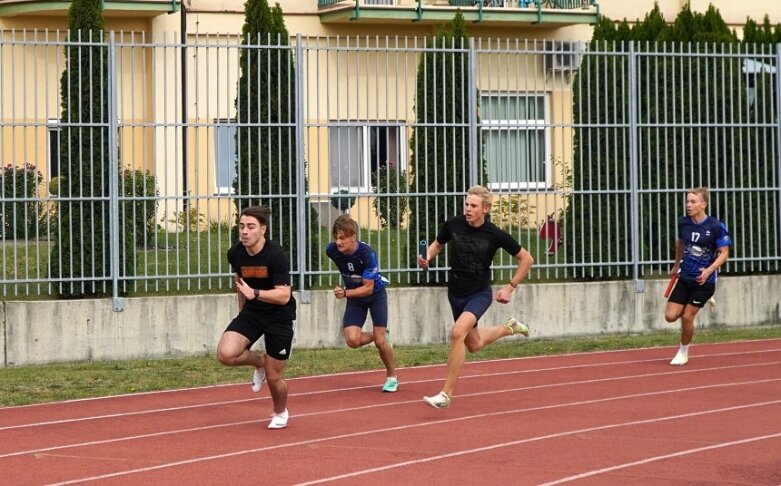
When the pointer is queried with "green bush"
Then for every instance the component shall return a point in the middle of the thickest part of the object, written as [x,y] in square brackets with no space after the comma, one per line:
[20,207]
[390,210]
[137,212]
[342,200]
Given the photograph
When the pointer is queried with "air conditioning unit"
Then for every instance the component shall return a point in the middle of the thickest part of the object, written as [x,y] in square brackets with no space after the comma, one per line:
[566,56]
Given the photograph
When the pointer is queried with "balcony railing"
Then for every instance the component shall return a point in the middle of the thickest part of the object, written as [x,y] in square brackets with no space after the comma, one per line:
[561,12]
[508,4]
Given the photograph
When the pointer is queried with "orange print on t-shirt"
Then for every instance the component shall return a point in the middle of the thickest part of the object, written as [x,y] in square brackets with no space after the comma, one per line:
[254,272]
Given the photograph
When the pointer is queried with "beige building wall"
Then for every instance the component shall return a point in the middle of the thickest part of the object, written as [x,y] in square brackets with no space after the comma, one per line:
[152,138]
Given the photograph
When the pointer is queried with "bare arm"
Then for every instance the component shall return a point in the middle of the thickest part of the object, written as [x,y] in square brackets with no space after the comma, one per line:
[525,262]
[433,250]
[365,290]
[279,295]
[678,256]
[721,257]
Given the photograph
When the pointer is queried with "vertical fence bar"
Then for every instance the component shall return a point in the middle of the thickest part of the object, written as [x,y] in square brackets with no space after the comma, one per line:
[113,169]
[472,97]
[634,167]
[302,196]
[777,174]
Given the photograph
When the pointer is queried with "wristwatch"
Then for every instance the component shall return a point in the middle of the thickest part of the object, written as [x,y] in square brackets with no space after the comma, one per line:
[257,294]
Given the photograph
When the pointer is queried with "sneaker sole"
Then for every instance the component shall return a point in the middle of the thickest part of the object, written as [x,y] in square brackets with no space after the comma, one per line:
[435,405]
[257,387]
[517,327]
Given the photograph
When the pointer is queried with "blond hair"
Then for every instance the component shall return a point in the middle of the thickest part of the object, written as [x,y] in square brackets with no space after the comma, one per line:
[700,191]
[482,193]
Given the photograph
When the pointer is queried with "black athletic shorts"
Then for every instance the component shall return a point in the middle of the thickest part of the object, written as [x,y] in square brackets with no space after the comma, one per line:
[690,292]
[278,334]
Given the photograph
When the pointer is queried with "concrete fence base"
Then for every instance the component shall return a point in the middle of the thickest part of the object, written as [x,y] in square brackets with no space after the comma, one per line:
[153,327]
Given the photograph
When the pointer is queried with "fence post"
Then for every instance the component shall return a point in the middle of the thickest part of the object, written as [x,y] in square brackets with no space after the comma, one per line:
[302,197]
[633,170]
[778,136]
[474,171]
[113,172]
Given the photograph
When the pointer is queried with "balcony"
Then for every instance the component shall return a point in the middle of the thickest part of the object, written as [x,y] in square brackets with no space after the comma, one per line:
[496,12]
[112,8]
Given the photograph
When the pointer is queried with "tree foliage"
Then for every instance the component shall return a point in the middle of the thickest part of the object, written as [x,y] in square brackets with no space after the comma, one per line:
[266,152]
[440,142]
[81,251]
[691,92]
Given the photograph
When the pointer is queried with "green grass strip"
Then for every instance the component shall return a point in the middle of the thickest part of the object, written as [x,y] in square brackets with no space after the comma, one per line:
[65,381]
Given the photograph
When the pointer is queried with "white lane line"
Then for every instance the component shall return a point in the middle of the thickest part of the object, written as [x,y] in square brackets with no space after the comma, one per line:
[452,420]
[711,447]
[376,405]
[559,435]
[338,390]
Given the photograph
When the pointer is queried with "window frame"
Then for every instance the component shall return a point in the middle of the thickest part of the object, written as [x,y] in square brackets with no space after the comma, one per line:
[365,164]
[529,125]
[230,124]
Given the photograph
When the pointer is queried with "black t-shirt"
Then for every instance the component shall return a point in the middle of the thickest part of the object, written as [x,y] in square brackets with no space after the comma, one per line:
[264,271]
[472,253]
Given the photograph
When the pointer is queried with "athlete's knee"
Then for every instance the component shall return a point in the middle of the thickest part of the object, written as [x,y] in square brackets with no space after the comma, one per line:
[473,347]
[457,335]
[688,317]
[226,358]
[352,341]
[671,316]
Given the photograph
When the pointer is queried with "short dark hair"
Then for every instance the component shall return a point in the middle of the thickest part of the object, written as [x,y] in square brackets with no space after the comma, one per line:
[346,225]
[261,213]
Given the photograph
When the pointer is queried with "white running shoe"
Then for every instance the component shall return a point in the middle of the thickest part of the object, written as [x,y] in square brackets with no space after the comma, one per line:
[258,377]
[440,400]
[680,359]
[516,327]
[278,420]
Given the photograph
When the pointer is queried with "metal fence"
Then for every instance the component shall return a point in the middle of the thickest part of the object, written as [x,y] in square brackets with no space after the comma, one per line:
[588,150]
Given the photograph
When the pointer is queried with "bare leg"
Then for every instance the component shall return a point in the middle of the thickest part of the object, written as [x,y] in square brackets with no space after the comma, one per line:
[276,383]
[455,360]
[687,323]
[232,351]
[686,314]
[385,350]
[478,338]
[355,337]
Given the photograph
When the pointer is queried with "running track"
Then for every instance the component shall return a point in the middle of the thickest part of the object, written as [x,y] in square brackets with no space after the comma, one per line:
[596,418]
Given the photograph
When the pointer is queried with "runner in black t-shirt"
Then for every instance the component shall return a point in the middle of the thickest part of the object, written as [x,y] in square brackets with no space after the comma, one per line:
[266,308]
[474,241]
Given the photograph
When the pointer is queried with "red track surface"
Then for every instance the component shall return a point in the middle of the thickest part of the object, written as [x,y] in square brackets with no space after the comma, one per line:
[598,418]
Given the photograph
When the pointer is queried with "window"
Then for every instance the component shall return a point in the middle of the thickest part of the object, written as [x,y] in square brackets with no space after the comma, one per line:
[356,152]
[513,128]
[53,149]
[224,156]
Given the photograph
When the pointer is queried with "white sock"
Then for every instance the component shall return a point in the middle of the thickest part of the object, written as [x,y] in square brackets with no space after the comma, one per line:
[684,349]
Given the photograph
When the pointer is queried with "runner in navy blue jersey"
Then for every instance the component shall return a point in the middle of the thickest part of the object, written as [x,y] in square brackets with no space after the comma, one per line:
[701,248]
[364,290]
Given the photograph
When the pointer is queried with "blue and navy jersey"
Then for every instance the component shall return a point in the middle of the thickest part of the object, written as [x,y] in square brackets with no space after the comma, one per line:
[362,264]
[701,242]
